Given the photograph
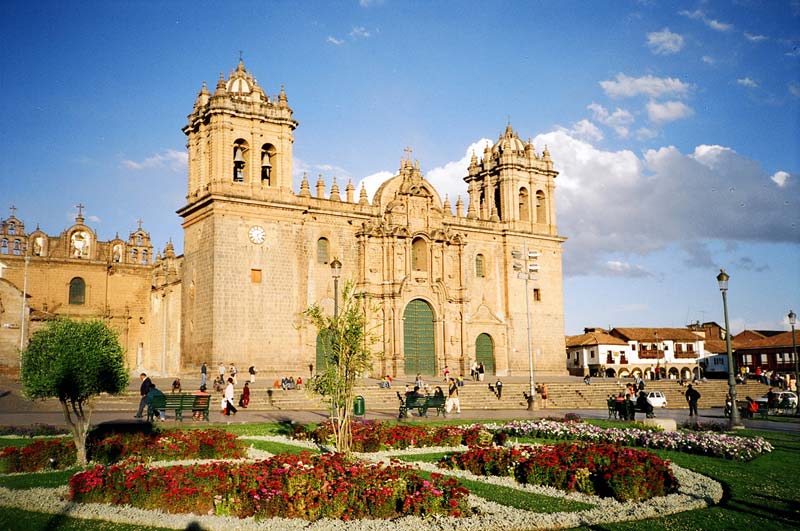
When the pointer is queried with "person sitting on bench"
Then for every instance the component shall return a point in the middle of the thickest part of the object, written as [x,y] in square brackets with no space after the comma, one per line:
[644,405]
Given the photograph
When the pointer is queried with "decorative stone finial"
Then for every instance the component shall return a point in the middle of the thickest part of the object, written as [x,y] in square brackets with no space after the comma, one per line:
[349,190]
[283,101]
[305,190]
[335,191]
[363,199]
[448,210]
[320,187]
[459,207]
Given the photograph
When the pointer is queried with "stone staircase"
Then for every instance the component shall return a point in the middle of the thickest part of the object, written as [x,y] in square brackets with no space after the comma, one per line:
[474,396]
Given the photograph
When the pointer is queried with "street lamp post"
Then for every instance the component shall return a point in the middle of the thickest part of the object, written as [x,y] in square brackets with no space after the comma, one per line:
[735,422]
[527,269]
[336,272]
[792,321]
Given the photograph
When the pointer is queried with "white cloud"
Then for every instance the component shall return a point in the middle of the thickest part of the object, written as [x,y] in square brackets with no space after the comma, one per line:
[587,130]
[655,87]
[615,206]
[645,133]
[171,159]
[360,32]
[94,219]
[754,38]
[747,82]
[710,22]
[664,42]
[669,111]
[707,59]
[619,120]
[794,89]
[718,26]
[334,41]
[373,181]
[624,269]
[781,178]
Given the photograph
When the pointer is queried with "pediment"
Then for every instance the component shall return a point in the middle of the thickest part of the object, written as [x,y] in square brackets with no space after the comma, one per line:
[485,315]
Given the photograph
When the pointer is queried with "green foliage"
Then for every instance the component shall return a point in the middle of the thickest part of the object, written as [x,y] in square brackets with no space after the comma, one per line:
[347,351]
[73,361]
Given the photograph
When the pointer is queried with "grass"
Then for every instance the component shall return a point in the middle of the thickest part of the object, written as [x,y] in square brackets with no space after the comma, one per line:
[277,448]
[761,494]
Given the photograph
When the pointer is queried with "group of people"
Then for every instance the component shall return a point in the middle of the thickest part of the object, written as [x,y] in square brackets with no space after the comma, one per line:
[477,371]
[627,403]
[772,378]
[149,392]
[288,382]
[451,402]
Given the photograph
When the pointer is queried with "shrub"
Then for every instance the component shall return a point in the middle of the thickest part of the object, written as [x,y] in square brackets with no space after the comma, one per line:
[39,455]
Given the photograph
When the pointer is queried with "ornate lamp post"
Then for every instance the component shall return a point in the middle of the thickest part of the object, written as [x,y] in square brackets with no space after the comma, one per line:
[336,273]
[792,322]
[735,422]
[527,269]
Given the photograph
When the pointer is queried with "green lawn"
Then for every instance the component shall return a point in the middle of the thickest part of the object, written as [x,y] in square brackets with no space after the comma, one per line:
[761,494]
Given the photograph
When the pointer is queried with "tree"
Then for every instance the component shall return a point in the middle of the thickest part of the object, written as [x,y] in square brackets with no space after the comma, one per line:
[346,345]
[74,361]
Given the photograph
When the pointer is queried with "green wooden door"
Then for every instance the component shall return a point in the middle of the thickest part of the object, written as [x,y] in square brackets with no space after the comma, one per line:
[418,339]
[484,352]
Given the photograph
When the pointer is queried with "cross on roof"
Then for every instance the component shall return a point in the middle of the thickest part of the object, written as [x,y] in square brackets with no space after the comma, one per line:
[80,208]
[139,221]
[13,210]
[408,152]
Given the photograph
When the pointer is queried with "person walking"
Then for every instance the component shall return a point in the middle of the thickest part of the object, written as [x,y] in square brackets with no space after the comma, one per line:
[692,397]
[544,396]
[252,371]
[143,390]
[234,372]
[221,372]
[244,400]
[481,371]
[499,389]
[452,397]
[229,394]
[203,374]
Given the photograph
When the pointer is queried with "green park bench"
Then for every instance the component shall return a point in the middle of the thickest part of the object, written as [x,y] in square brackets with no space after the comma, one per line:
[422,404]
[179,403]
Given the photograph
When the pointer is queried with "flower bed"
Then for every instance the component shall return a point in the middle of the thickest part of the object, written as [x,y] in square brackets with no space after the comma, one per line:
[291,486]
[60,453]
[39,455]
[371,436]
[701,443]
[602,469]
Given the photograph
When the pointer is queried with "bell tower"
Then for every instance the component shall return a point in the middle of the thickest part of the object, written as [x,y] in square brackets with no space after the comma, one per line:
[239,140]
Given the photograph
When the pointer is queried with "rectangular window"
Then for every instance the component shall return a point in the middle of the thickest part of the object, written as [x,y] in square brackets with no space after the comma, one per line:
[537,295]
[255,276]
[690,347]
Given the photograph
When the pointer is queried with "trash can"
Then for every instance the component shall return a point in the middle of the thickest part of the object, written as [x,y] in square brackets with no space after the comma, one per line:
[358,406]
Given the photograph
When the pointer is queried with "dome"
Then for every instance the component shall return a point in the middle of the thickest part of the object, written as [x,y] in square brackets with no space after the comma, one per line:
[508,141]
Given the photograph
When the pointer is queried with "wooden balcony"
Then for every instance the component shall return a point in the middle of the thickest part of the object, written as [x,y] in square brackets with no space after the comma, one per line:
[651,354]
[685,355]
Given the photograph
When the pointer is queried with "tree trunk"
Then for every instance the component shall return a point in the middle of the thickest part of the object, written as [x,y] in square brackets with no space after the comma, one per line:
[79,428]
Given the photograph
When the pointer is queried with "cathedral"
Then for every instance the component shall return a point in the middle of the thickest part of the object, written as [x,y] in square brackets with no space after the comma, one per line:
[450,284]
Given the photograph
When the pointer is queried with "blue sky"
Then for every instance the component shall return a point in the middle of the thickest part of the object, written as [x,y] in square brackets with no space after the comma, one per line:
[675,125]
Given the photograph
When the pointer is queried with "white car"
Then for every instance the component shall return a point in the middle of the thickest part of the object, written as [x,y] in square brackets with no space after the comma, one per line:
[780,396]
[656,399]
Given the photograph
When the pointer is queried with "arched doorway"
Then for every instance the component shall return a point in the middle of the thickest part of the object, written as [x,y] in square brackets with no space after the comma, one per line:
[484,352]
[418,339]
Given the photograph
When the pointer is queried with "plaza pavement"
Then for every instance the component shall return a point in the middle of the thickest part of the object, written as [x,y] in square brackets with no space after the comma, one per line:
[17,411]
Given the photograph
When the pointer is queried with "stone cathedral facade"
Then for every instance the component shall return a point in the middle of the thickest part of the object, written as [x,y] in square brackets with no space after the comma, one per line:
[257,253]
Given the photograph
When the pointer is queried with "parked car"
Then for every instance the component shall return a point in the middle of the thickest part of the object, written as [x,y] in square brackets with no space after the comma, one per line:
[657,399]
[779,398]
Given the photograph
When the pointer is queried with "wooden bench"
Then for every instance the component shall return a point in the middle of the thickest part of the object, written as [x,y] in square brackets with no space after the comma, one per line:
[422,404]
[179,403]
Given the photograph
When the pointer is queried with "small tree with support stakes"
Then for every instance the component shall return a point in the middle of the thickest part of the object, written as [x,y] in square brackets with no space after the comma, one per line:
[346,345]
[74,361]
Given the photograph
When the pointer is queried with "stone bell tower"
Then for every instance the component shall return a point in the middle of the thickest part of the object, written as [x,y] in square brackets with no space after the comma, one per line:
[240,161]
[239,140]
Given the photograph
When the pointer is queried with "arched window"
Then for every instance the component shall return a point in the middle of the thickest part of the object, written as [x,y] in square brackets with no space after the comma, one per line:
[239,161]
[77,291]
[138,239]
[134,256]
[541,214]
[323,251]
[524,205]
[419,255]
[4,246]
[479,269]
[17,247]
[267,159]
[497,202]
[12,227]
[144,256]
